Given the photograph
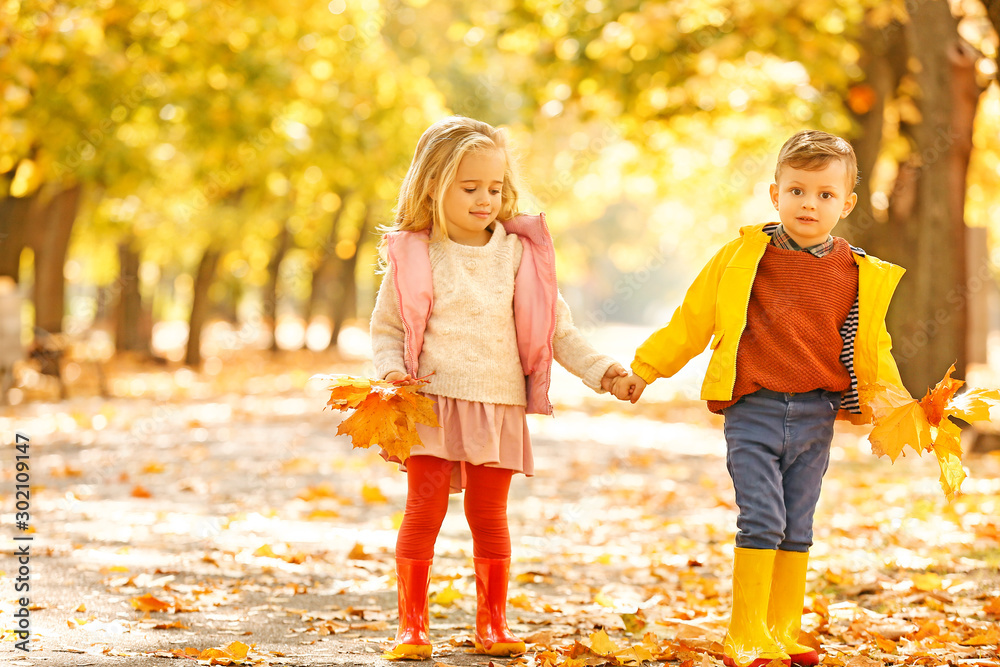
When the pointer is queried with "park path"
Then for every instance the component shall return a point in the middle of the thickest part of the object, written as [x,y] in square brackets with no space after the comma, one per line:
[200,512]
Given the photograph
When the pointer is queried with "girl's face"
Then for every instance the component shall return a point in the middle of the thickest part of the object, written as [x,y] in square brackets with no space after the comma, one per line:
[471,203]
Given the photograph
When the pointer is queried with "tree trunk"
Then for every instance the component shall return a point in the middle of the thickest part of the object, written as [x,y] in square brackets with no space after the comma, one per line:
[927,216]
[132,332]
[345,286]
[50,240]
[322,278]
[884,58]
[200,305]
[993,12]
[15,216]
[271,294]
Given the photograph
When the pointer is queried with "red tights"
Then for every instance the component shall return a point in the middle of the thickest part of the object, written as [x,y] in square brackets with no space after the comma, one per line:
[428,480]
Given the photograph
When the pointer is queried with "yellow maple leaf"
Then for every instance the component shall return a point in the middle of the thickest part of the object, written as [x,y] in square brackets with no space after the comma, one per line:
[906,425]
[446,596]
[235,651]
[601,644]
[347,392]
[974,405]
[988,637]
[370,493]
[265,551]
[634,656]
[948,450]
[385,414]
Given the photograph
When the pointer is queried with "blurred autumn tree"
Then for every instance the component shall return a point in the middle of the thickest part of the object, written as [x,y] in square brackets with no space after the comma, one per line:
[210,136]
[234,157]
[705,91]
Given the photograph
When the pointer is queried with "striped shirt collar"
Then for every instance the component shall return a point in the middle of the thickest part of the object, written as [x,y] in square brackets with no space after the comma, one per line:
[783,239]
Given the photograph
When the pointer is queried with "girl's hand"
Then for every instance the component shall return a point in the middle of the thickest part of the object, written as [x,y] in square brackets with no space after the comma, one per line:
[630,389]
[396,377]
[611,376]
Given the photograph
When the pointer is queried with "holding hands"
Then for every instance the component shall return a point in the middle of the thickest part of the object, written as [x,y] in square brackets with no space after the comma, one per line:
[625,387]
[628,388]
[612,376]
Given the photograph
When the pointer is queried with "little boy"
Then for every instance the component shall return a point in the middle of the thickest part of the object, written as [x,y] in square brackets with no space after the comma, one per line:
[796,320]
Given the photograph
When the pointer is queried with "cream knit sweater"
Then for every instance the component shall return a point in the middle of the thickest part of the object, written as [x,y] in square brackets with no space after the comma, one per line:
[470,343]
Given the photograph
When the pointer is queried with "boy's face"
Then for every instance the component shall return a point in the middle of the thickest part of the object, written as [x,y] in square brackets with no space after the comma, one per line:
[811,202]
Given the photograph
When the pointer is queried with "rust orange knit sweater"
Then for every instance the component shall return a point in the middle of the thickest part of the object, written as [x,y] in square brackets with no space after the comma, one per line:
[792,340]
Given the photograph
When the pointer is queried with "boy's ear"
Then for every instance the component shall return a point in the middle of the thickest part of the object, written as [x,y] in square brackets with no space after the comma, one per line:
[774,195]
[849,205]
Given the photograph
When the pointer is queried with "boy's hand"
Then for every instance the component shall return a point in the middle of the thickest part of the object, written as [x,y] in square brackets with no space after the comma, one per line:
[612,376]
[400,378]
[630,388]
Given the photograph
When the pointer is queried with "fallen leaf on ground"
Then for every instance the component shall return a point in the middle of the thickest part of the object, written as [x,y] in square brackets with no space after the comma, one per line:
[149,603]
[446,596]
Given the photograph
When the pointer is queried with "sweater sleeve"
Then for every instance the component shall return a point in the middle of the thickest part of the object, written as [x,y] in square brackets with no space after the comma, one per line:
[387,333]
[574,353]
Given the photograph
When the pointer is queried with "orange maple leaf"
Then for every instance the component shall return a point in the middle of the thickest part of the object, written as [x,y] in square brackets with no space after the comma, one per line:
[149,603]
[937,398]
[349,392]
[385,414]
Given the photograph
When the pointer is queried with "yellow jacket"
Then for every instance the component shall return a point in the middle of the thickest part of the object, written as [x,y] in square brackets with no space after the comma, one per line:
[714,312]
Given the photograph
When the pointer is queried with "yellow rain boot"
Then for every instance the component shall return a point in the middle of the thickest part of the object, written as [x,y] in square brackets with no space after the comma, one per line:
[748,642]
[412,581]
[784,611]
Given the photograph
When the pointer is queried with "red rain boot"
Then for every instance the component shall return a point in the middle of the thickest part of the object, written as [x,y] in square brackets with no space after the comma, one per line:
[412,579]
[493,637]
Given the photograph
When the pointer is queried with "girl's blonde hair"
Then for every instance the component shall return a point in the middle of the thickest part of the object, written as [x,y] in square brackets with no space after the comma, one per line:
[435,163]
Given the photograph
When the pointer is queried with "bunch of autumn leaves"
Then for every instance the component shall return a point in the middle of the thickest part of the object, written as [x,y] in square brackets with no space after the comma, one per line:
[386,414]
[927,425]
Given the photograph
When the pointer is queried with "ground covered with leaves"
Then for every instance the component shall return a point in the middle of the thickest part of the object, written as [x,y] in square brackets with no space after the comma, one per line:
[219,519]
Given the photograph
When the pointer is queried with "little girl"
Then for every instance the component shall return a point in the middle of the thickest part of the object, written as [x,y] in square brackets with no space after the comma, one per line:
[470,299]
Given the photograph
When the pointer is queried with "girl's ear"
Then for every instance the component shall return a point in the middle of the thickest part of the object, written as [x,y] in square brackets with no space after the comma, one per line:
[432,188]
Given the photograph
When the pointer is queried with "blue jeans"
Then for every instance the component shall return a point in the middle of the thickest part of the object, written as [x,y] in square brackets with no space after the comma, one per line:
[778,449]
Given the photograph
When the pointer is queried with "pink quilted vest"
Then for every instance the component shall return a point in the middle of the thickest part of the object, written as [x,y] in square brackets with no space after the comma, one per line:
[535,296]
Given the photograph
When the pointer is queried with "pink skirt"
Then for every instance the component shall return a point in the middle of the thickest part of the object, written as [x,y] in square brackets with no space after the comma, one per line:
[475,433]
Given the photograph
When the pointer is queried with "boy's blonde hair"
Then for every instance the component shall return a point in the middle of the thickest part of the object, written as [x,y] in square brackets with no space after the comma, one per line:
[432,171]
[812,149]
